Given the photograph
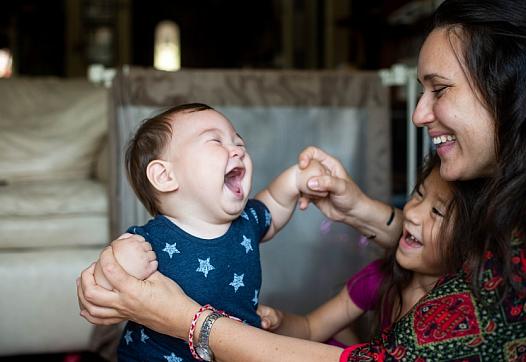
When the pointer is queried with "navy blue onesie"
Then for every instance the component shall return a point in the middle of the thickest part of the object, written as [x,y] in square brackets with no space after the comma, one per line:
[224,272]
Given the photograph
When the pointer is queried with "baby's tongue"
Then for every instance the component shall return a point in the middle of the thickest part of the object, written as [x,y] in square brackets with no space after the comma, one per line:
[233,182]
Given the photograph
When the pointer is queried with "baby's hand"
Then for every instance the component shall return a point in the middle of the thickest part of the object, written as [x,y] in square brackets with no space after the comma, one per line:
[271,318]
[314,169]
[136,256]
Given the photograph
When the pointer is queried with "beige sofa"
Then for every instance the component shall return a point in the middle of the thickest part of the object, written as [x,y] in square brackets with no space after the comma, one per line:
[53,209]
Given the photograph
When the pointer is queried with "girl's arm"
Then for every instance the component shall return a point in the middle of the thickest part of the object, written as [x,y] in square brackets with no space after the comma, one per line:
[319,325]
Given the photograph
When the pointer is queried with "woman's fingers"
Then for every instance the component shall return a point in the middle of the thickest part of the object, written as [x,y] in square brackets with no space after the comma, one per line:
[88,292]
[334,185]
[100,321]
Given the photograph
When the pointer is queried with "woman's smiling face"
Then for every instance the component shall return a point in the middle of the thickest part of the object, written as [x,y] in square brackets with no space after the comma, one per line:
[458,123]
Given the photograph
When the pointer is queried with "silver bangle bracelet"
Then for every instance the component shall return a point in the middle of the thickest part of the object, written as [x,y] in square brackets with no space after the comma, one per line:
[203,347]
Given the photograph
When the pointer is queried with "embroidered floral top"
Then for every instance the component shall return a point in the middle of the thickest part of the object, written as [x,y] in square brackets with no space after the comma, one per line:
[450,324]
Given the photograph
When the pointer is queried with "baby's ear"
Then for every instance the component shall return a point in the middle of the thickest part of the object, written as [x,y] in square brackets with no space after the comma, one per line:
[161,176]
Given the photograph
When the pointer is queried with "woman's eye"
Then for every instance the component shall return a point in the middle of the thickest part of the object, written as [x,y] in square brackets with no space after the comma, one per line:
[437,212]
[439,90]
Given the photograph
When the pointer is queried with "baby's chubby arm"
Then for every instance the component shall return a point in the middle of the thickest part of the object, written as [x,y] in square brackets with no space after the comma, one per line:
[282,194]
[134,254]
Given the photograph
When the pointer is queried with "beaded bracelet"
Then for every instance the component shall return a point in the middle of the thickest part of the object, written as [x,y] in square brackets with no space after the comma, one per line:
[194,324]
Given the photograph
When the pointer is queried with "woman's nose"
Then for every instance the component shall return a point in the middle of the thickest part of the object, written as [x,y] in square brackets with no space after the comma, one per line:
[423,113]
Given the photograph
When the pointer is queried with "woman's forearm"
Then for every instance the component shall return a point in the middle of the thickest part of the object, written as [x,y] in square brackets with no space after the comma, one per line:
[237,342]
[377,221]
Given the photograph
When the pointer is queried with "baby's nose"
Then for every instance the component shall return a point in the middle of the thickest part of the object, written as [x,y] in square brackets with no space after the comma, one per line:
[237,151]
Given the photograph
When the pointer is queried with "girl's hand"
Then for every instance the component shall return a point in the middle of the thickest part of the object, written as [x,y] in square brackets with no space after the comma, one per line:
[271,318]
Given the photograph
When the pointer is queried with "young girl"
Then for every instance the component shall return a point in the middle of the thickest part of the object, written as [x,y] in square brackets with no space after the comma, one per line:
[390,286]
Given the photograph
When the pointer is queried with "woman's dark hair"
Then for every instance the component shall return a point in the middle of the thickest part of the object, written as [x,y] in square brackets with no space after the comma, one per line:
[147,145]
[492,35]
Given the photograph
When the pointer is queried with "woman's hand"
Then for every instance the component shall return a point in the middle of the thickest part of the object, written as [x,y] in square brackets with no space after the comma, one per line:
[157,302]
[347,203]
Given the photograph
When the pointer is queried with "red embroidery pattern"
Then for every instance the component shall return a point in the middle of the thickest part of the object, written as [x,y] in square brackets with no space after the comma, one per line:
[516,350]
[445,318]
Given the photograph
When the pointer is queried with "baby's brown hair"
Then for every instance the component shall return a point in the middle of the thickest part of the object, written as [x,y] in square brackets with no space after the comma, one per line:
[148,143]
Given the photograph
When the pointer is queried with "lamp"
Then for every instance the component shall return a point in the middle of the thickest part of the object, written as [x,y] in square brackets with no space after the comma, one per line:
[167,52]
[6,63]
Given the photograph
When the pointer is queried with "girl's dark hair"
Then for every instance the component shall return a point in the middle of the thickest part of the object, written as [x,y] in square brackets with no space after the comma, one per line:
[396,278]
[492,35]
[147,145]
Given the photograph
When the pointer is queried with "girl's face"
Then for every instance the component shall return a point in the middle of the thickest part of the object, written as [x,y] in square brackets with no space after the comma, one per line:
[418,249]
[458,123]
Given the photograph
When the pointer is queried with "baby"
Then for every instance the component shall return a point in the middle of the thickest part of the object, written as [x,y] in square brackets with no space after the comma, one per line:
[191,170]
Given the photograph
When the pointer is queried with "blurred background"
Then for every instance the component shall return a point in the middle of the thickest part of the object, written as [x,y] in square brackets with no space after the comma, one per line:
[63,38]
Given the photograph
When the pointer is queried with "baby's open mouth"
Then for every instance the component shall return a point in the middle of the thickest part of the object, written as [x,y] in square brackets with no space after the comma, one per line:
[233,181]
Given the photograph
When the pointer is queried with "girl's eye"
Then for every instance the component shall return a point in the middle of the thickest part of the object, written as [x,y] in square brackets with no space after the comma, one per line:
[437,212]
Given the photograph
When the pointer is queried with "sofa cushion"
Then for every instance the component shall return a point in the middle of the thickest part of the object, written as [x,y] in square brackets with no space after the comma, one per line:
[58,213]
[51,128]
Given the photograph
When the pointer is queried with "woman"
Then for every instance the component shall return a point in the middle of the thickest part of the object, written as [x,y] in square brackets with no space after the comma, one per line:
[473,70]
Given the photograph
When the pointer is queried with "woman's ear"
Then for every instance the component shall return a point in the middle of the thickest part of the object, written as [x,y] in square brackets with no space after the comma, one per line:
[162,176]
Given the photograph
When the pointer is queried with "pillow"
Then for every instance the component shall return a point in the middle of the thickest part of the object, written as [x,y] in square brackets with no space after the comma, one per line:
[51,128]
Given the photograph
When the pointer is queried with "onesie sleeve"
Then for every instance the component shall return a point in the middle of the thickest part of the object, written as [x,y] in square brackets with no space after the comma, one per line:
[258,214]
[138,230]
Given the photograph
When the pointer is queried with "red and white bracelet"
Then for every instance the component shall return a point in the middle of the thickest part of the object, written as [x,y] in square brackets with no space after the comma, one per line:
[194,324]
